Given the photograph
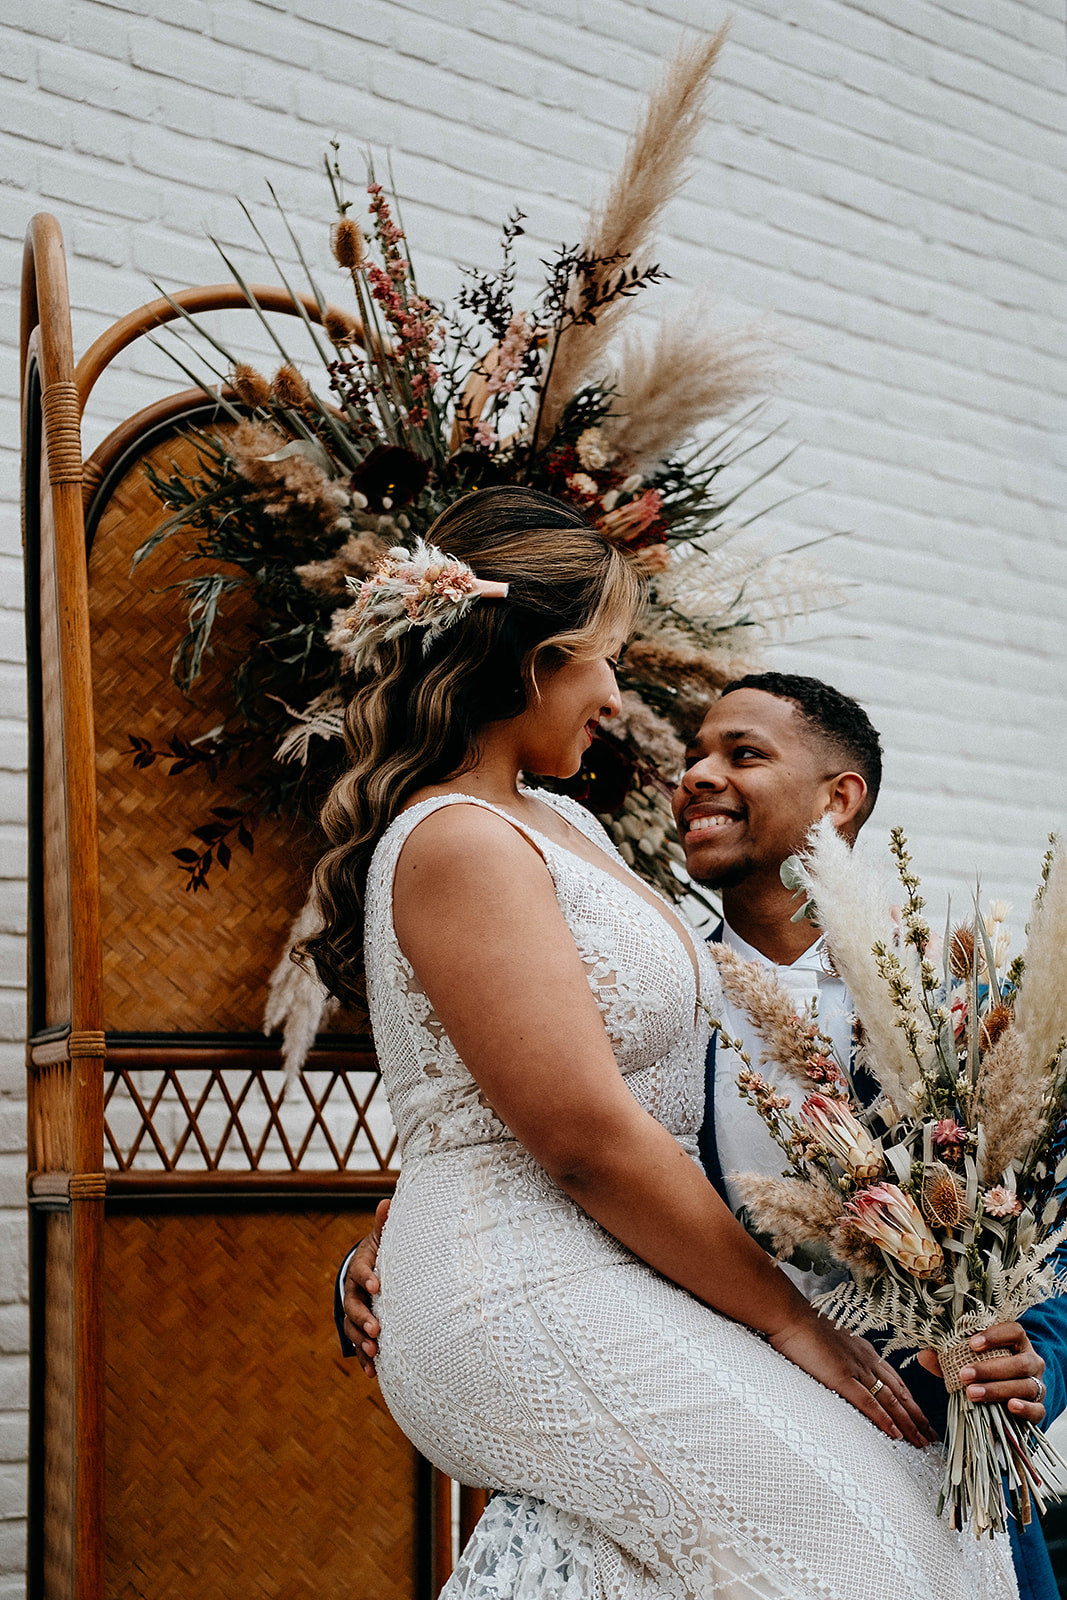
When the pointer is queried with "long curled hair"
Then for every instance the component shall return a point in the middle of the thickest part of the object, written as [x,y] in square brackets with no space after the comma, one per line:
[415,718]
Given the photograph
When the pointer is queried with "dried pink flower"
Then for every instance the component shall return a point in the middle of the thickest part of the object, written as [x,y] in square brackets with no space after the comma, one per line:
[949,1132]
[1000,1202]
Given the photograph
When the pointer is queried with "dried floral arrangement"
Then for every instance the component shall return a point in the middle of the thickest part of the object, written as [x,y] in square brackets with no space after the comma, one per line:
[942,1196]
[303,492]
[300,493]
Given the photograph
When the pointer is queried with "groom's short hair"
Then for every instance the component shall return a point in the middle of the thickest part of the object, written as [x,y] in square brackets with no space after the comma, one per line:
[840,722]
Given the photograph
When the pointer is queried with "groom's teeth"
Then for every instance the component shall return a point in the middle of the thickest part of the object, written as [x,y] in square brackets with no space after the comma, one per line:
[702,824]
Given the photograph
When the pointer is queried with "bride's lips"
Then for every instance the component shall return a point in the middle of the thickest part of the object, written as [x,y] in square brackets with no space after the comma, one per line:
[591,729]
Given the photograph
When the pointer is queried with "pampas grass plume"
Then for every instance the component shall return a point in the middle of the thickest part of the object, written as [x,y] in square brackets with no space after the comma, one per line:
[793,1211]
[691,370]
[853,911]
[756,990]
[1010,1102]
[1041,1008]
[652,172]
[296,1001]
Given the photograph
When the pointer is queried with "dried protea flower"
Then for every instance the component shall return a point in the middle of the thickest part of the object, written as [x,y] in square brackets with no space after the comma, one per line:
[341,329]
[346,242]
[961,951]
[944,1197]
[993,1024]
[290,388]
[251,386]
[894,1222]
[839,1132]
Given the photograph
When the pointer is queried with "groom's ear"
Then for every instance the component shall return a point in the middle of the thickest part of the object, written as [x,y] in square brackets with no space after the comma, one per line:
[846,803]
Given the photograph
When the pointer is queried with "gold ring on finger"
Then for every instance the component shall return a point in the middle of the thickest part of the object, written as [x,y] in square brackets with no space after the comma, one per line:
[875,1388]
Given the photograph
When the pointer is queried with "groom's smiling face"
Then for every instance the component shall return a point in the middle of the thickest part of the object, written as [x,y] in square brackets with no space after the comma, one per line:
[757,776]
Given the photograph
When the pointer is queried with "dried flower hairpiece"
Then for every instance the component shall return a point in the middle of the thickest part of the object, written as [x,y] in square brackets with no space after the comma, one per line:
[420,588]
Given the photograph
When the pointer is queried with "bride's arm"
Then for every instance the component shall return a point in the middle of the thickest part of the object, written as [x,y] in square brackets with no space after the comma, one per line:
[476,914]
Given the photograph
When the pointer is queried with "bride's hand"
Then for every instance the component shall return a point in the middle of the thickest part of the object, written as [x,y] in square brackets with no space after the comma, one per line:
[853,1369]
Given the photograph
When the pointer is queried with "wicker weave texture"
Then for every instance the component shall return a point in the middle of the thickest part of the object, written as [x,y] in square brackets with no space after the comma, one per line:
[174,961]
[244,1456]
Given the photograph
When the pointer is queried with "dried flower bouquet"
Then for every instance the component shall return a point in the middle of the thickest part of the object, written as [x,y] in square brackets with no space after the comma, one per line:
[942,1195]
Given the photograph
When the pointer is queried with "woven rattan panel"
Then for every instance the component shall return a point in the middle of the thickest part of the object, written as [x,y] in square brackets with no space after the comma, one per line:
[245,1458]
[173,961]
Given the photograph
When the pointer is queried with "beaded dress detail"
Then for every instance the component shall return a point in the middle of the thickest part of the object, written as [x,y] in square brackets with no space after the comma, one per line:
[650,1448]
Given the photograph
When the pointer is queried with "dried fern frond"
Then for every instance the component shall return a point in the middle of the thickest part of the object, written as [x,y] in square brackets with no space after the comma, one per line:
[654,169]
[735,584]
[323,718]
[691,370]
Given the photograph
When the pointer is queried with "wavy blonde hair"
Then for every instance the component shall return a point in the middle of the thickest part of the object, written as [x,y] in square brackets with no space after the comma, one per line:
[415,719]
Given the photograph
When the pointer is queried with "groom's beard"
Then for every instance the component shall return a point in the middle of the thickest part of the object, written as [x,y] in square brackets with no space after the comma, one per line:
[727,876]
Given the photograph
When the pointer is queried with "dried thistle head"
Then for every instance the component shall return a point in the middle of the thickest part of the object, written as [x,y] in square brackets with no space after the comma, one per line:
[346,242]
[290,388]
[251,386]
[961,951]
[944,1197]
[993,1024]
[341,329]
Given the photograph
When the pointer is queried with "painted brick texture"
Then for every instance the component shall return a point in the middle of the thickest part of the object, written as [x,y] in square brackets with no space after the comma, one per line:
[887,180]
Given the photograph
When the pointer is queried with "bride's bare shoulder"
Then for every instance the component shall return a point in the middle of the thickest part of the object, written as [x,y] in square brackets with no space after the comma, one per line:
[466,834]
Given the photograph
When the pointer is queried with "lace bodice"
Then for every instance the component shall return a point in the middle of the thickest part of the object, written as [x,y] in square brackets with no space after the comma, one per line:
[640,968]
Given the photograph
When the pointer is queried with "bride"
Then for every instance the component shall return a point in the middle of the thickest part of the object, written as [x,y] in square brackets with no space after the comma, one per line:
[574,1315]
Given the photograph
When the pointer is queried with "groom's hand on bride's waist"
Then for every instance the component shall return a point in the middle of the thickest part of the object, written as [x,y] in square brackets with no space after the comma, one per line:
[360,1325]
[1016,1381]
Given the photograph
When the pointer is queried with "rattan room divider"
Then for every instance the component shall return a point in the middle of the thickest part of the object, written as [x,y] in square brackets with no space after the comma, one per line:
[194,1430]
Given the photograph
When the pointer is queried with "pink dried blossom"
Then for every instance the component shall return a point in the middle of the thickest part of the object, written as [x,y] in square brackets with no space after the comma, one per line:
[1000,1202]
[949,1132]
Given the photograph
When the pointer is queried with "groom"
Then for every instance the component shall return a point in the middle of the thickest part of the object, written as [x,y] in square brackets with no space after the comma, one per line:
[775,752]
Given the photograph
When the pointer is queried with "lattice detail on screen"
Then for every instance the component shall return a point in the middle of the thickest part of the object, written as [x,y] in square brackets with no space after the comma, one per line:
[211,1118]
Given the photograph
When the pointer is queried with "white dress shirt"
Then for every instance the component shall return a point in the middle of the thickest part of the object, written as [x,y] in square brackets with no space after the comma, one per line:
[743,1142]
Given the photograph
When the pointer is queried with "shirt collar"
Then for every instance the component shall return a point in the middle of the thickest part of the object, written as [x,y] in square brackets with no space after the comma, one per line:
[811,960]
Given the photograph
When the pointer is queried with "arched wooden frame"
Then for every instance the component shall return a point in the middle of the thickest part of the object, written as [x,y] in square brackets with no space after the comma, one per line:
[71,1191]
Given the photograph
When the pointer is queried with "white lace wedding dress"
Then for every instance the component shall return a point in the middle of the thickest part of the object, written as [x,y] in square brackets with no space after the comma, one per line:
[650,1447]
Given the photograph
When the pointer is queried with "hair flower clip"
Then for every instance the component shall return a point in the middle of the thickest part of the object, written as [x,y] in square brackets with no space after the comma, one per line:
[420,588]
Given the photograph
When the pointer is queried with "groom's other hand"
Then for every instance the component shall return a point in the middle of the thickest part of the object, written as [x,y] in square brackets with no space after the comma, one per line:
[1017,1381]
[361,1281]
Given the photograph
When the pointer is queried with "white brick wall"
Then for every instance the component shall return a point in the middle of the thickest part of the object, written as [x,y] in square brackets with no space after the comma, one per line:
[892,189]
